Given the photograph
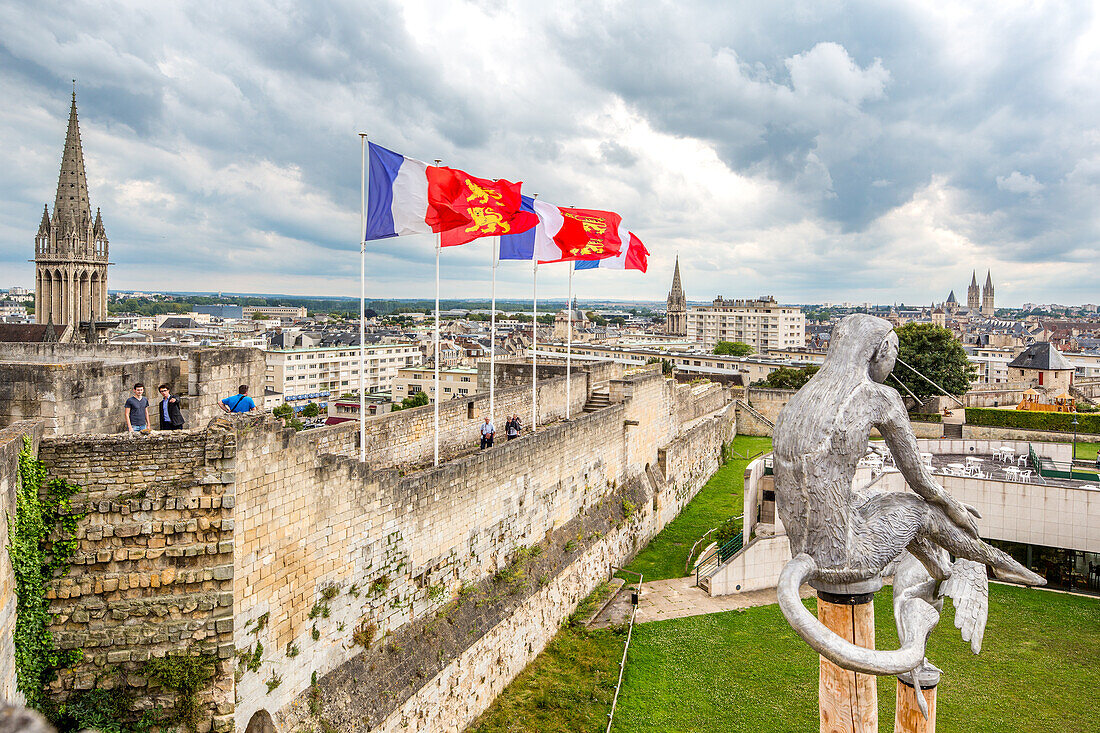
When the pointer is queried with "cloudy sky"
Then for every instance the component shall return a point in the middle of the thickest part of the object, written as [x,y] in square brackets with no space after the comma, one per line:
[817,151]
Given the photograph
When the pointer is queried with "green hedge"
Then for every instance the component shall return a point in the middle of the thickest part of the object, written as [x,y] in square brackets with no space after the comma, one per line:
[925,417]
[1027,420]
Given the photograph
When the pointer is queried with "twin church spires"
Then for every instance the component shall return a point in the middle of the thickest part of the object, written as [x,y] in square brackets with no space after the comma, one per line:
[70,249]
[973,294]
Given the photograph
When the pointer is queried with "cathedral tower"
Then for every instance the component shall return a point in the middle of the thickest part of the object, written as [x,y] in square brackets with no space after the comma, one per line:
[973,294]
[987,296]
[70,249]
[676,306]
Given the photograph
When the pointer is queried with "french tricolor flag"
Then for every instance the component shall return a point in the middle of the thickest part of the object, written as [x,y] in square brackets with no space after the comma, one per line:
[538,241]
[397,200]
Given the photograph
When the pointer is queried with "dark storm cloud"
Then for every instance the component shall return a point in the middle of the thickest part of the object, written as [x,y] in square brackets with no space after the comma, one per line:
[815,150]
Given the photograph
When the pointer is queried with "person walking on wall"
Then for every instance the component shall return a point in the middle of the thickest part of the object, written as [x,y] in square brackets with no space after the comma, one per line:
[488,430]
[512,427]
[170,416]
[239,402]
[136,411]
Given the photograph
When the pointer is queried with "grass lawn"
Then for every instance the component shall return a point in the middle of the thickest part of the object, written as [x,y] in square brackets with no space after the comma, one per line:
[747,671]
[1086,451]
[666,554]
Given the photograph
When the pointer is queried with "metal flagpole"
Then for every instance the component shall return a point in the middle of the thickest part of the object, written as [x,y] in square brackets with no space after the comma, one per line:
[569,345]
[435,389]
[534,333]
[362,299]
[493,333]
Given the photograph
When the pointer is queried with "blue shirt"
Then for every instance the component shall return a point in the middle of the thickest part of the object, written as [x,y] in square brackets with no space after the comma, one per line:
[239,403]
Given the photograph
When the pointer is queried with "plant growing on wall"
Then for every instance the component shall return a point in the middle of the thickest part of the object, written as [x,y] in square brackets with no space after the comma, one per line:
[41,542]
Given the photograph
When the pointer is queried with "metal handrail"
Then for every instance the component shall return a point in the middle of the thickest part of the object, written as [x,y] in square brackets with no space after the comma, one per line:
[720,554]
[622,662]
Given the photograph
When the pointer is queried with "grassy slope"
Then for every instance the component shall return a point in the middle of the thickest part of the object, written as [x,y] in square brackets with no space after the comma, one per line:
[721,498]
[1087,451]
[746,671]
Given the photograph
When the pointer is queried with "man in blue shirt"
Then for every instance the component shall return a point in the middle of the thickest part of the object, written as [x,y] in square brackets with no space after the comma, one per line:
[239,402]
[488,430]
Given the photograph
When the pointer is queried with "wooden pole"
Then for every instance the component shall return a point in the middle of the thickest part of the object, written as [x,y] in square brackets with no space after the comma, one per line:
[847,701]
[908,717]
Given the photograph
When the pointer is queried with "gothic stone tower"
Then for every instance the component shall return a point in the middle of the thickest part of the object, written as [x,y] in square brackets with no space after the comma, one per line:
[70,249]
[676,307]
[973,294]
[987,296]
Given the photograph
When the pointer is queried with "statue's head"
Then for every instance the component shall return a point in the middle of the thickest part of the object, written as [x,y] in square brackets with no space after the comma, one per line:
[863,344]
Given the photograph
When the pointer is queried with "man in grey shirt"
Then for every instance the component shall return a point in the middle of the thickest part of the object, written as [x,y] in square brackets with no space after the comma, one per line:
[136,411]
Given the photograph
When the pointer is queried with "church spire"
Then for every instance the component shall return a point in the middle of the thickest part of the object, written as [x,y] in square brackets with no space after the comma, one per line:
[71,203]
[677,290]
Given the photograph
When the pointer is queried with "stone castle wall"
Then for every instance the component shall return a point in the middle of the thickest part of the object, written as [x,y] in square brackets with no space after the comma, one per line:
[82,388]
[245,533]
[153,572]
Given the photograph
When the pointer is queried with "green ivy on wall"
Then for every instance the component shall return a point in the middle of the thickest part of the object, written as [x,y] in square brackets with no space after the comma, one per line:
[41,543]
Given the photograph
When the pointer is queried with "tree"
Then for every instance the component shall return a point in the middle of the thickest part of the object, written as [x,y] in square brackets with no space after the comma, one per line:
[934,352]
[788,378]
[284,411]
[596,318]
[257,316]
[414,400]
[311,410]
[732,348]
[666,365]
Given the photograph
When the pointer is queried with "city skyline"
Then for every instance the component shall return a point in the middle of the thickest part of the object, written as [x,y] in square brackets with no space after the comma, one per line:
[809,157]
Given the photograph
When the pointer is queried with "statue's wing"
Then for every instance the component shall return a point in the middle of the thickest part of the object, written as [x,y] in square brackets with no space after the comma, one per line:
[968,588]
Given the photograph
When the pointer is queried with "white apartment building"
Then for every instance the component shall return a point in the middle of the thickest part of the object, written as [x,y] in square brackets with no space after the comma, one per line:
[282,311]
[454,382]
[763,324]
[333,370]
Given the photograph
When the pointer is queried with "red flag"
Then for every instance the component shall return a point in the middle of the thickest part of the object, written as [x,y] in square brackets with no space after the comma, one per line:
[637,256]
[589,234]
[464,208]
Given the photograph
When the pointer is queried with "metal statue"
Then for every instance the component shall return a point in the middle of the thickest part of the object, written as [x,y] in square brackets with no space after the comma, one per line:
[845,539]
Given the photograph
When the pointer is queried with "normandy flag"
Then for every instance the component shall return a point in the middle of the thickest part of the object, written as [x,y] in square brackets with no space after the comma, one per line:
[408,196]
[564,234]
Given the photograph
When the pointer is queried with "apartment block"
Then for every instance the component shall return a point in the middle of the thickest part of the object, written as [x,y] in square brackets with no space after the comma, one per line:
[333,370]
[453,382]
[761,323]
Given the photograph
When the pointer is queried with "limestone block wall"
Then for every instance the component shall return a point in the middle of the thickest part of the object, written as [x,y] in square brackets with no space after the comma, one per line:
[77,396]
[153,573]
[982,432]
[382,541]
[689,461]
[768,402]
[81,388]
[406,438]
[11,443]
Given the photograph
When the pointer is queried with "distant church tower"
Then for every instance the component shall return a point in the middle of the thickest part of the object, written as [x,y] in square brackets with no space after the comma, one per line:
[676,312]
[70,249]
[973,294]
[987,296]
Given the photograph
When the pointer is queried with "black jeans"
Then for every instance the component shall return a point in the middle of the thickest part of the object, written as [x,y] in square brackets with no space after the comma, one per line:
[486,441]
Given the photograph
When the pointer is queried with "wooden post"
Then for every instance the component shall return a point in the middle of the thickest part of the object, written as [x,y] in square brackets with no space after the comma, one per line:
[847,701]
[908,717]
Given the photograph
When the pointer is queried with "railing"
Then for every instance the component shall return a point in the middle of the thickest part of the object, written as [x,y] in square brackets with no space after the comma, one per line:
[709,564]
[626,648]
[1050,468]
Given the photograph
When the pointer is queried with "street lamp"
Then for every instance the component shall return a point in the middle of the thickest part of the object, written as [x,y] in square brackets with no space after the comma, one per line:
[1073,456]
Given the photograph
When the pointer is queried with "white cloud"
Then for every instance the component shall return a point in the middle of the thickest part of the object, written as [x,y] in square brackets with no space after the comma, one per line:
[1017,182]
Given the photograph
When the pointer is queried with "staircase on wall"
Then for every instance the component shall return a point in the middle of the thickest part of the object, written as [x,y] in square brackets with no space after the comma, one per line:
[597,400]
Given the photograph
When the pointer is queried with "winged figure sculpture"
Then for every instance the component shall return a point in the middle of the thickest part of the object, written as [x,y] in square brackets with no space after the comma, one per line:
[846,539]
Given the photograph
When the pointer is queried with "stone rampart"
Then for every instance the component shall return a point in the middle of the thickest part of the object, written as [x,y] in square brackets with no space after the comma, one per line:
[82,388]
[153,571]
[281,555]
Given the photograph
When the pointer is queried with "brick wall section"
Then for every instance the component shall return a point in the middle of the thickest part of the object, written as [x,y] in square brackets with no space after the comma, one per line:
[153,573]
[11,443]
[81,388]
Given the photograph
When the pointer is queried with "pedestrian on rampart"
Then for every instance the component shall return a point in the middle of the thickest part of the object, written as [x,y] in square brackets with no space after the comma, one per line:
[239,402]
[136,411]
[488,430]
[171,418]
[513,426]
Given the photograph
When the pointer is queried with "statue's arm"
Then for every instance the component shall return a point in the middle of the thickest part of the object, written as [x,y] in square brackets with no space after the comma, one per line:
[894,425]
